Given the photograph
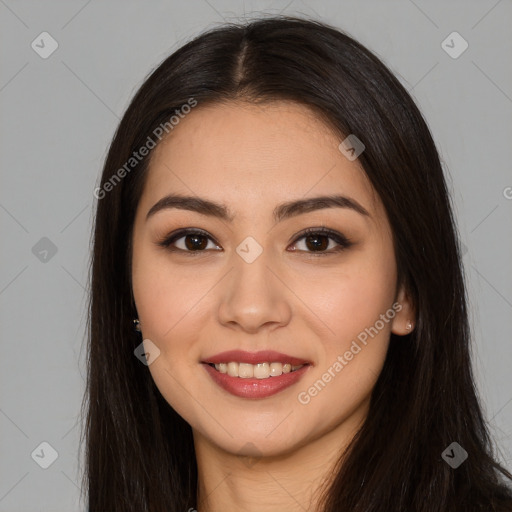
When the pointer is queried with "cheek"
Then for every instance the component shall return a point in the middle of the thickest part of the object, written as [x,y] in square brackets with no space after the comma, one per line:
[170,309]
[166,297]
[356,305]
[174,312]
[347,299]
[350,358]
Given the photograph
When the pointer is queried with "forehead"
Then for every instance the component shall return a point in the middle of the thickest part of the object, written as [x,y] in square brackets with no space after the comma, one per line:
[254,155]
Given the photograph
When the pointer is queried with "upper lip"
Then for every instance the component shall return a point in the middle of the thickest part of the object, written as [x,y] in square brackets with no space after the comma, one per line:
[263,356]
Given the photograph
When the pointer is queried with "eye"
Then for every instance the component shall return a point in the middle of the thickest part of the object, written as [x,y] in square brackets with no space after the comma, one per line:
[188,241]
[318,240]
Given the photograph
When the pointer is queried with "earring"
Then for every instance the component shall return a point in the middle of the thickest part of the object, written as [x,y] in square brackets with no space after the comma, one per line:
[408,326]
[136,325]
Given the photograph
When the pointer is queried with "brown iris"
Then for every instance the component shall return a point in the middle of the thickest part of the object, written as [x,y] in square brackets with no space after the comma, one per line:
[318,242]
[195,242]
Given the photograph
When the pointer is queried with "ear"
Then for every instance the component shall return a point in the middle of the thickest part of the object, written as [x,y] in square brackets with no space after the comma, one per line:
[405,320]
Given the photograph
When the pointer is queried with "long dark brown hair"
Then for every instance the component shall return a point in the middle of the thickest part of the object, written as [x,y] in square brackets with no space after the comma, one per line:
[139,452]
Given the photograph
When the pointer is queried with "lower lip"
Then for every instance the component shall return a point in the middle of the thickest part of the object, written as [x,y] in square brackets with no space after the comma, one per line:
[255,388]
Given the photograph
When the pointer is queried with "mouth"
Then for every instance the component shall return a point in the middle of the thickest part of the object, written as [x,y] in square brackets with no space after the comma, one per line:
[255,374]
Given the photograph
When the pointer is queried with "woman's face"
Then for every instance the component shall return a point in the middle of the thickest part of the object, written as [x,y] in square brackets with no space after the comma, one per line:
[252,281]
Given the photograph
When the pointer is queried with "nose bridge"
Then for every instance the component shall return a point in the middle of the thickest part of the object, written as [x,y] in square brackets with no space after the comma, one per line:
[253,296]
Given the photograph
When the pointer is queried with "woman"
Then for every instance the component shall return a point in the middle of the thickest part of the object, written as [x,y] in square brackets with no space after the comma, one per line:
[278,312]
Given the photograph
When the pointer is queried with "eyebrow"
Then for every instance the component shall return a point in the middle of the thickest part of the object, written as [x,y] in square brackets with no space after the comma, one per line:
[280,213]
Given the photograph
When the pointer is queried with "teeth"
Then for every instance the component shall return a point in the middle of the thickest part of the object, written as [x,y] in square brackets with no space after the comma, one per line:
[233,369]
[245,371]
[258,371]
[262,370]
[276,369]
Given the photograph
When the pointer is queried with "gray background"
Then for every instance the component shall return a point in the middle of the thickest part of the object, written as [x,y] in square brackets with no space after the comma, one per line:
[59,114]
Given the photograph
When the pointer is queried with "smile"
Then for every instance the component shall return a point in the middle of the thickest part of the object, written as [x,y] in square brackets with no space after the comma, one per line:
[255,375]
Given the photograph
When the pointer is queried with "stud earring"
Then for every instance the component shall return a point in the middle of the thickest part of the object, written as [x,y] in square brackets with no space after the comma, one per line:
[136,325]
[408,326]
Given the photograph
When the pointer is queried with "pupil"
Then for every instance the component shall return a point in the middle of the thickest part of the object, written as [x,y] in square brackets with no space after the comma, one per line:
[317,244]
[194,245]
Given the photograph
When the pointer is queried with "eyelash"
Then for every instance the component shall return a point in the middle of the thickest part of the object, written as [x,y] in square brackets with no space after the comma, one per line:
[342,241]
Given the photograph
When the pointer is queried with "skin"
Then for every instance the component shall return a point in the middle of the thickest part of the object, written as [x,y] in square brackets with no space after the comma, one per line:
[191,306]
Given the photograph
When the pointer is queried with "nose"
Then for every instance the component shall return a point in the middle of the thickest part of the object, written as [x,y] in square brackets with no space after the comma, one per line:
[254,297]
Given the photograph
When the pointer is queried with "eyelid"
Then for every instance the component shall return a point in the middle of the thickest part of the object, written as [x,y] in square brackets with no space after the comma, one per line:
[342,241]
